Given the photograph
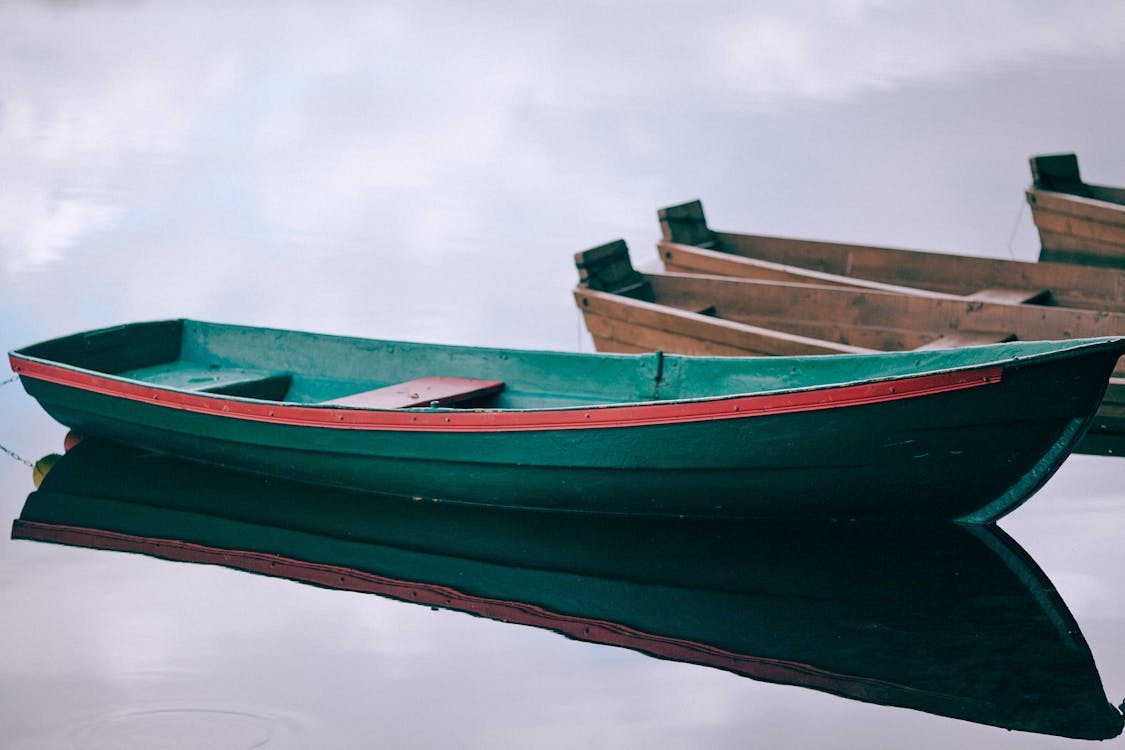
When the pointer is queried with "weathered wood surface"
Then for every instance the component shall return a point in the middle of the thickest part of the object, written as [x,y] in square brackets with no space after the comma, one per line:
[967,338]
[866,318]
[1078,222]
[757,316]
[689,245]
[626,324]
[1003,296]
[436,390]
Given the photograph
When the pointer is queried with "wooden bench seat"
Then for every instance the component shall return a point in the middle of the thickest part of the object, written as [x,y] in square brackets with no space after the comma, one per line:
[955,339]
[1008,296]
[444,391]
[223,381]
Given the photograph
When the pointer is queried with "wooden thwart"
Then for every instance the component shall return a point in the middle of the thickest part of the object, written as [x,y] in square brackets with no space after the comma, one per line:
[1006,296]
[444,391]
[967,338]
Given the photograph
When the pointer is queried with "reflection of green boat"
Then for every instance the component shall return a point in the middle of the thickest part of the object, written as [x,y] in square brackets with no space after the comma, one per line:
[964,434]
[948,619]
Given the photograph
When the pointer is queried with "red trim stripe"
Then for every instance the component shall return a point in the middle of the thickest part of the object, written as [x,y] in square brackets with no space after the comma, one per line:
[508,420]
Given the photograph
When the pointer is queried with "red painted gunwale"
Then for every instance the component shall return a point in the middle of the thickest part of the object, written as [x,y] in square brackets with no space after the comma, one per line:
[510,420]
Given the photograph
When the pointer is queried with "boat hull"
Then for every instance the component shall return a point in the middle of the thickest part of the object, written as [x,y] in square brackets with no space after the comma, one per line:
[970,452]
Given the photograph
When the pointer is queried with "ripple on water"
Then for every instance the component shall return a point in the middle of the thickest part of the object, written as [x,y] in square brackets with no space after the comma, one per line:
[184,728]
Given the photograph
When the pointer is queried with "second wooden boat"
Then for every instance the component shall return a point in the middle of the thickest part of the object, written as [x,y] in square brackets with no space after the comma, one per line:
[689,245]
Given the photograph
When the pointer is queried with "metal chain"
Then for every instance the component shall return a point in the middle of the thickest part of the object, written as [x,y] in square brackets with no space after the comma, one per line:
[13,454]
[17,456]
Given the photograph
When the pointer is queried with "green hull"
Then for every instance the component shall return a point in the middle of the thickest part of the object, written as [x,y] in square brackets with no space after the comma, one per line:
[966,434]
[814,605]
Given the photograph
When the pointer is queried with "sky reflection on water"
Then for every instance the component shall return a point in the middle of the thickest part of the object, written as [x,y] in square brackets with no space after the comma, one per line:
[380,167]
[425,171]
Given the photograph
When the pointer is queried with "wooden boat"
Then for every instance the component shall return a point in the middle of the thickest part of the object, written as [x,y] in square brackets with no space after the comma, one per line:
[689,245]
[1078,222]
[629,311]
[964,434]
[811,605]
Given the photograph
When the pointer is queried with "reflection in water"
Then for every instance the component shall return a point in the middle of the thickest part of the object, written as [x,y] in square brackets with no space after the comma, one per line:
[946,619]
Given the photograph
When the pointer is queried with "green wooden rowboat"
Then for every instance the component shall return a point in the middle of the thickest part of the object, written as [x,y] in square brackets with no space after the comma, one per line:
[961,623]
[964,434]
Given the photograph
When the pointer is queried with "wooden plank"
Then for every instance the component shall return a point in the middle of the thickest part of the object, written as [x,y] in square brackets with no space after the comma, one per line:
[737,298]
[966,338]
[882,338]
[689,259]
[1006,296]
[1074,205]
[612,346]
[1066,248]
[708,329]
[1081,228]
[937,272]
[435,390]
[1071,285]
[614,335]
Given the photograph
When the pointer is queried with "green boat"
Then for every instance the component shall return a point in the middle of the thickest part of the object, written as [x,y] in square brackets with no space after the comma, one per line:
[944,618]
[965,434]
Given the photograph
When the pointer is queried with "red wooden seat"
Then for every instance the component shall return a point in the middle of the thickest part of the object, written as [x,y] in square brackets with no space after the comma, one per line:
[422,392]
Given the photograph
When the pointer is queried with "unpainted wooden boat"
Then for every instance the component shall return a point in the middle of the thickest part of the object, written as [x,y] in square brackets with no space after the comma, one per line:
[1078,222]
[964,434]
[629,311]
[952,620]
[689,245]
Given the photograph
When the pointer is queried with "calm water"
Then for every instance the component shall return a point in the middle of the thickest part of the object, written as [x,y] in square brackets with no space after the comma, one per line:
[426,171]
